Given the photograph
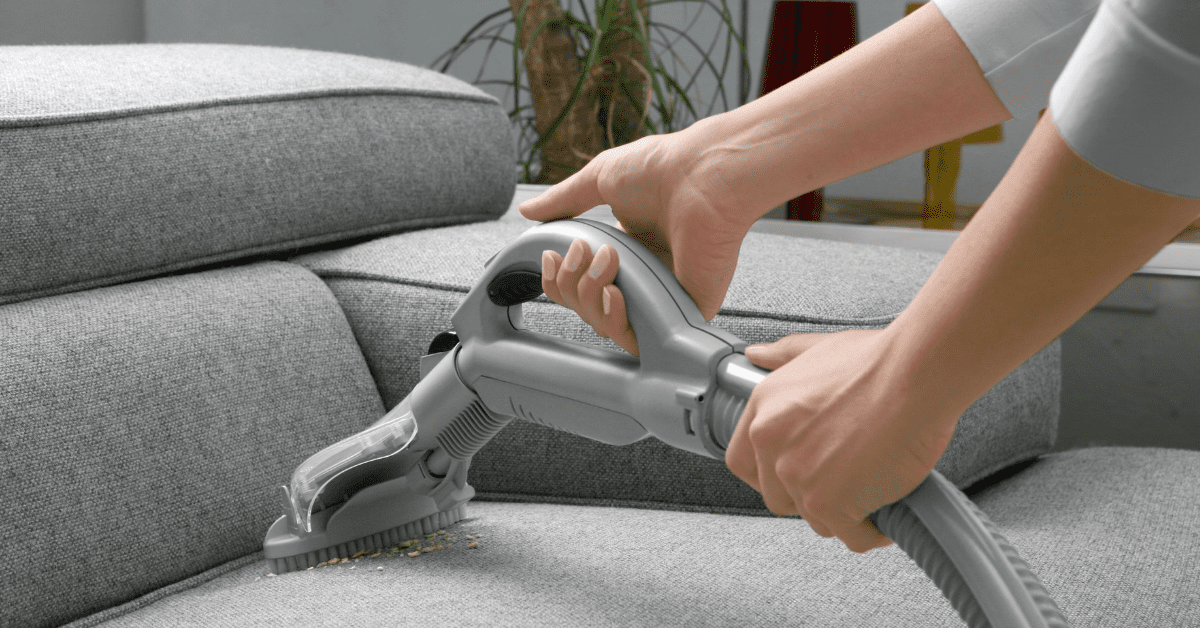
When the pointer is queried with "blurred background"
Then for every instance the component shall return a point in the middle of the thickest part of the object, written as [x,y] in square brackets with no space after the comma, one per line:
[419,31]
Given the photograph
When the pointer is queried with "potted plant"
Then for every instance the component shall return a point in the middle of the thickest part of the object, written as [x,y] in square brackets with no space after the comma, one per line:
[595,78]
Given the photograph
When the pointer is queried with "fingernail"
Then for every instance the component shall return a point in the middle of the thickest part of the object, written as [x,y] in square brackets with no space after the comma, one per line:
[574,256]
[607,302]
[598,264]
[756,348]
[547,266]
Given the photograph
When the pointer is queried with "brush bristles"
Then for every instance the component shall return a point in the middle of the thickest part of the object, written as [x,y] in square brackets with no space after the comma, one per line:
[379,541]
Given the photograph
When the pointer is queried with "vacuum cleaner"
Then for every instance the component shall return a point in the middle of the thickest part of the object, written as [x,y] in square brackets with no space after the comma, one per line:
[406,474]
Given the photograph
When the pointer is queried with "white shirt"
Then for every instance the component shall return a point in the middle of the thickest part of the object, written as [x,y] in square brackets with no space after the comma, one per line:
[1121,77]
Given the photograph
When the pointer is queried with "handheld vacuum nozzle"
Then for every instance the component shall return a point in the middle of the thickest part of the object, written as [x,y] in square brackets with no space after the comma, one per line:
[319,475]
[403,476]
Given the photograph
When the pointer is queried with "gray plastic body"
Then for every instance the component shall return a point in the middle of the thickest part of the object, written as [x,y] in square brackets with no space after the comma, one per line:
[610,397]
[688,389]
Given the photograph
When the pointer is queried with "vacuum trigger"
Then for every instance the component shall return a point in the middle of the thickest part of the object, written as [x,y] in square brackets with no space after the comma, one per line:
[443,342]
[438,349]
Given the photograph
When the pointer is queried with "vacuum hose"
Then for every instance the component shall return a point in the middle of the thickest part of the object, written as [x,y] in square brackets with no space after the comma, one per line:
[945,533]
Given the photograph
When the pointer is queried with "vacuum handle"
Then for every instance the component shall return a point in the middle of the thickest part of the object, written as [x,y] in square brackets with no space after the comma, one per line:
[612,396]
[658,307]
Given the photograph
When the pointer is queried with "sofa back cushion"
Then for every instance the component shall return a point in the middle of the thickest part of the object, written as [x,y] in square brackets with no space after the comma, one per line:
[145,429]
[127,161]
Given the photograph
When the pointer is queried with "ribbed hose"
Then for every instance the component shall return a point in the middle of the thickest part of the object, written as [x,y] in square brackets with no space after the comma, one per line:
[973,565]
[1009,586]
[465,436]
[470,431]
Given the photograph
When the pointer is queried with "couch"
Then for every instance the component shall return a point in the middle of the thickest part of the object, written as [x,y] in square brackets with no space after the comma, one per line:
[216,260]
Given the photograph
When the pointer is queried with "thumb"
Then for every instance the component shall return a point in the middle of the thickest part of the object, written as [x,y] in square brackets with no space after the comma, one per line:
[569,198]
[775,354]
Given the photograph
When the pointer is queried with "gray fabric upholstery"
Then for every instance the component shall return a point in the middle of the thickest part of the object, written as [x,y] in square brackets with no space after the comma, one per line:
[123,162]
[61,84]
[1111,533]
[145,428]
[398,292]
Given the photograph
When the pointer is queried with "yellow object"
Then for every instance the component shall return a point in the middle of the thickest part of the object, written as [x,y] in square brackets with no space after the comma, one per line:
[942,165]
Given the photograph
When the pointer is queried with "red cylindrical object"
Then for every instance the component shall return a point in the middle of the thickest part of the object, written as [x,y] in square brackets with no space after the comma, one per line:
[805,34]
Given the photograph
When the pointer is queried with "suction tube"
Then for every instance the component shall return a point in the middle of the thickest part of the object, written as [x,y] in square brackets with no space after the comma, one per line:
[946,534]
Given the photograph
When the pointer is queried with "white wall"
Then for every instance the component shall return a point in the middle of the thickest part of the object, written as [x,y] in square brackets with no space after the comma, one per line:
[418,31]
[356,26]
[32,22]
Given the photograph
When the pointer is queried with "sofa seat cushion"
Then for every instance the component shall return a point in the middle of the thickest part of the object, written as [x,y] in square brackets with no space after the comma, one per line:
[126,161]
[145,429]
[1111,532]
[400,291]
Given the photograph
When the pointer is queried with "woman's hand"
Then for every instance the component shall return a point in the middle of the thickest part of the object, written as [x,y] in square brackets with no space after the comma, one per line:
[661,197]
[838,429]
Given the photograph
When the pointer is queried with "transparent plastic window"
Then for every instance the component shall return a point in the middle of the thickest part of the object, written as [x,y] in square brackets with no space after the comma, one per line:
[386,437]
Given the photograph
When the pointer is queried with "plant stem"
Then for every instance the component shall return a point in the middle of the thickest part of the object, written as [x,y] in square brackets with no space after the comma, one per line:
[565,125]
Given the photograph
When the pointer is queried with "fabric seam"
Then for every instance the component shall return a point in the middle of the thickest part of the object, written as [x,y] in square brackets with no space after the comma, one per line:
[240,256]
[881,321]
[1015,58]
[133,112]
[161,593]
[497,496]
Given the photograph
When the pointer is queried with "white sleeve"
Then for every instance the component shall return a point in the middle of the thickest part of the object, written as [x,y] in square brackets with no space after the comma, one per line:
[1129,99]
[1121,78]
[1022,45]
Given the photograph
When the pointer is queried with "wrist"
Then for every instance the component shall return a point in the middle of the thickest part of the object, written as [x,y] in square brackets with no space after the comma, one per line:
[695,161]
[723,155]
[912,86]
[921,372]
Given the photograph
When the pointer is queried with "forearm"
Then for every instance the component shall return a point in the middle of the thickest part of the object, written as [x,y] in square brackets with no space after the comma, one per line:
[1054,237]
[912,86]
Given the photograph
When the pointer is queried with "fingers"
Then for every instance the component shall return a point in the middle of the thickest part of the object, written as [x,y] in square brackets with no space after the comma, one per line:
[616,320]
[856,532]
[739,453]
[864,537]
[573,267]
[584,283]
[858,536]
[601,303]
[574,195]
[551,261]
[593,278]
[774,355]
